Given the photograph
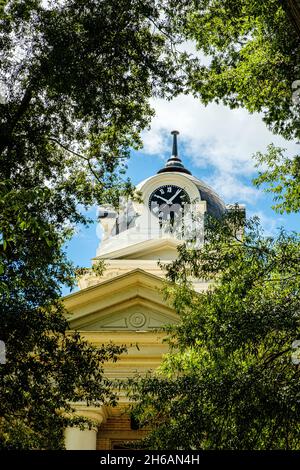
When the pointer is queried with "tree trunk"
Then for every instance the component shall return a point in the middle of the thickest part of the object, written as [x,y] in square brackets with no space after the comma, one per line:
[292,9]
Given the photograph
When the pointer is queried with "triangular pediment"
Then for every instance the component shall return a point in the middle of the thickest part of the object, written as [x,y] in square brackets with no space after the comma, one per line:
[136,315]
[132,301]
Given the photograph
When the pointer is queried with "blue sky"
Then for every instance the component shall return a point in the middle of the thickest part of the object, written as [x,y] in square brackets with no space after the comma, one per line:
[216,144]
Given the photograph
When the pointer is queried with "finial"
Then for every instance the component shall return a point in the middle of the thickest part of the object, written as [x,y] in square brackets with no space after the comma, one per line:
[174,150]
[174,163]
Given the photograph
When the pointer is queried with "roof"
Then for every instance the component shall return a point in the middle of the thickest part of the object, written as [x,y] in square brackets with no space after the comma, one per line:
[215,206]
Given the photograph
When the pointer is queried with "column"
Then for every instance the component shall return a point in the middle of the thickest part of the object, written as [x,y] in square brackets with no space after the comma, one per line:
[76,439]
[86,439]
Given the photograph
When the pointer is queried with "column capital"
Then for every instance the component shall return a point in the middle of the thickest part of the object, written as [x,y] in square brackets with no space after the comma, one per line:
[98,414]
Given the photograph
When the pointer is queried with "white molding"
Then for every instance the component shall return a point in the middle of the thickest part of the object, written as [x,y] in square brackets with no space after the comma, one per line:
[140,247]
[179,179]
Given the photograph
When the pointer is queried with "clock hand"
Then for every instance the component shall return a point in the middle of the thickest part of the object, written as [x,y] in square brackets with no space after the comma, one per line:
[165,200]
[173,197]
[162,206]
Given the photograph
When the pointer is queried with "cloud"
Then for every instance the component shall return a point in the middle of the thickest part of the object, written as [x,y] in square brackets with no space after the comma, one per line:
[214,138]
[271,225]
[191,49]
[232,190]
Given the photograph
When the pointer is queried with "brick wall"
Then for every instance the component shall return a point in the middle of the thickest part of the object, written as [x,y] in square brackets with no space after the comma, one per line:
[116,431]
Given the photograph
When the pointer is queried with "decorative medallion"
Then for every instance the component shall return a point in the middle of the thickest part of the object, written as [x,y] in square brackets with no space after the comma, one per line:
[137,320]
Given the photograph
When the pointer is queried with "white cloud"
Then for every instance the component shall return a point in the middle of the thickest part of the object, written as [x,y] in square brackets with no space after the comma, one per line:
[233,190]
[190,48]
[271,225]
[214,136]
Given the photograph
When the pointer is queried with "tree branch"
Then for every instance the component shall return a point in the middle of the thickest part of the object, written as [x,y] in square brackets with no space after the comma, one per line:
[77,155]
[272,357]
[68,149]
[7,129]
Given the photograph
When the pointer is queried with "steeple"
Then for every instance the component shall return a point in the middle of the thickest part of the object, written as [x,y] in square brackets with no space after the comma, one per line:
[174,163]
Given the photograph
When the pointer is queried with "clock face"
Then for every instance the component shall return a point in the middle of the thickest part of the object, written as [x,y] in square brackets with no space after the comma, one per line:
[168,201]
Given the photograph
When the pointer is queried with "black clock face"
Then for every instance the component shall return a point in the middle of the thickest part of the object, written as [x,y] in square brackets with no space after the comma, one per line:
[168,201]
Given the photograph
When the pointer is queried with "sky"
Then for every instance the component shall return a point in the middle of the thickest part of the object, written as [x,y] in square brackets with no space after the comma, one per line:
[216,144]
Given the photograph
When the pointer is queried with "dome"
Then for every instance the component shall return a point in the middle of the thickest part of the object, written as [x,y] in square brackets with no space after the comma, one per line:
[215,205]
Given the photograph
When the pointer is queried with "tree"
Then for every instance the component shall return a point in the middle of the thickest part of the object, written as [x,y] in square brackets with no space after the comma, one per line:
[76,77]
[254,55]
[46,368]
[281,179]
[231,379]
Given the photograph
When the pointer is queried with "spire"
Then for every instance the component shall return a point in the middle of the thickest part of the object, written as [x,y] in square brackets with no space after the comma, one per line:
[175,151]
[174,163]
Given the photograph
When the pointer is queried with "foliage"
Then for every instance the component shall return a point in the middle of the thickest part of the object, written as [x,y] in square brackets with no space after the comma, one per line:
[97,268]
[46,368]
[250,57]
[229,381]
[76,78]
[292,9]
[282,178]
[254,58]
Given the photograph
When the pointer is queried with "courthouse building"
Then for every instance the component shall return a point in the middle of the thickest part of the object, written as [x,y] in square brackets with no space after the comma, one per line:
[126,304]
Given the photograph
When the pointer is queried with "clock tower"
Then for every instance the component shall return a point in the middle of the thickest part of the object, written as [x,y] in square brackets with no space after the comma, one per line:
[171,207]
[126,304]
